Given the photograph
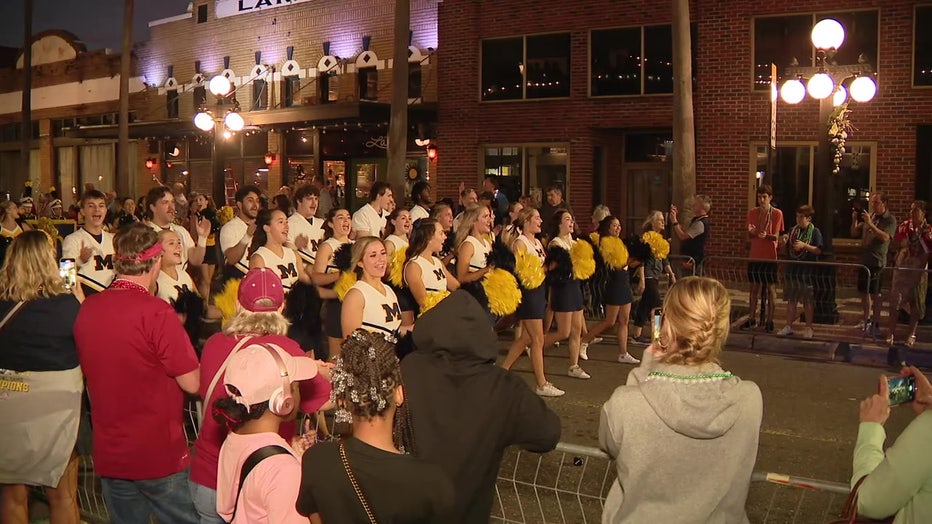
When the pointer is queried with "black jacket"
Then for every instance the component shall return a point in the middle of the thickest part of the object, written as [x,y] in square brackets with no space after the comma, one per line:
[464,409]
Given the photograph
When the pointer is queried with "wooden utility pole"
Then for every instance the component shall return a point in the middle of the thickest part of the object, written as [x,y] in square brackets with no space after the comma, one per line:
[122,183]
[684,128]
[398,126]
[26,144]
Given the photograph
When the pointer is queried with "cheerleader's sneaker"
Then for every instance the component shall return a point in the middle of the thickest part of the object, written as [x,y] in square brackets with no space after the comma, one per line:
[785,332]
[628,358]
[577,372]
[597,340]
[584,351]
[549,390]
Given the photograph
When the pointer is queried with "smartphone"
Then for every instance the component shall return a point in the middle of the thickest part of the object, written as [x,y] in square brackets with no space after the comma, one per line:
[656,319]
[69,272]
[902,389]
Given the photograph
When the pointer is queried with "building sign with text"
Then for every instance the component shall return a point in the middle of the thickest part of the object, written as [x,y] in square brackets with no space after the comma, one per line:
[227,8]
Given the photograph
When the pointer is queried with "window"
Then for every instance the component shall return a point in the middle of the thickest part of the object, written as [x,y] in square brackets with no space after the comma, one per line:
[172,100]
[922,46]
[259,98]
[328,87]
[794,174]
[292,87]
[527,169]
[634,60]
[202,13]
[414,80]
[200,97]
[368,83]
[529,67]
[784,39]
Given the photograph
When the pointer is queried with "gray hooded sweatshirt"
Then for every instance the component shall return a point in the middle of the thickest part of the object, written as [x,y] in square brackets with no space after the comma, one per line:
[684,440]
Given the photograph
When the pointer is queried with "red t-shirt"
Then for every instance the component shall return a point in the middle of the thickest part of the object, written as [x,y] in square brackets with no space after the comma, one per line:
[314,393]
[131,347]
[766,222]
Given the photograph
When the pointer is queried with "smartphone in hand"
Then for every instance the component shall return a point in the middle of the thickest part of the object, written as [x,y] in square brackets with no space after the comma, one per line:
[656,320]
[69,272]
[902,389]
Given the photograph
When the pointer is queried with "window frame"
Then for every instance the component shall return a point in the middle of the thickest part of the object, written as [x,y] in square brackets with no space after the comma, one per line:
[261,96]
[912,71]
[364,77]
[173,103]
[813,16]
[523,147]
[291,88]
[524,38]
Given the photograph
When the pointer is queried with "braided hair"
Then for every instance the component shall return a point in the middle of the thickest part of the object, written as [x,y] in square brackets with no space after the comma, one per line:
[696,321]
[232,415]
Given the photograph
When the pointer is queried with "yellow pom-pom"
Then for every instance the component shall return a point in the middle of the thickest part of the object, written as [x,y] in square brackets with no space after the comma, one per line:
[432,299]
[28,183]
[396,266]
[45,224]
[51,188]
[226,300]
[344,283]
[594,237]
[614,252]
[225,215]
[529,269]
[502,290]
[658,245]
[583,260]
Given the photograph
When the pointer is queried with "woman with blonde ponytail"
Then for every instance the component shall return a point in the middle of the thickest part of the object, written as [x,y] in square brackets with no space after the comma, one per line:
[682,420]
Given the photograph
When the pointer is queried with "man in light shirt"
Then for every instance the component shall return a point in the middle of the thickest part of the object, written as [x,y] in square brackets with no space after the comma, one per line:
[90,246]
[161,209]
[236,235]
[370,219]
[305,231]
[420,195]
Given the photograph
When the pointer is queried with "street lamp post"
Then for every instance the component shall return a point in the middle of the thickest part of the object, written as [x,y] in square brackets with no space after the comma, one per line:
[826,84]
[213,120]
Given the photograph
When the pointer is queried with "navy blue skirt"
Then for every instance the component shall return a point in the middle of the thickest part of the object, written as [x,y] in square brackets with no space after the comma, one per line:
[333,309]
[566,297]
[618,289]
[533,303]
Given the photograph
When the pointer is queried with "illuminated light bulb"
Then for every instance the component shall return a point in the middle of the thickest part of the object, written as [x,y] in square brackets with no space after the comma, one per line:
[204,121]
[862,89]
[828,34]
[234,121]
[820,86]
[840,96]
[793,91]
[220,86]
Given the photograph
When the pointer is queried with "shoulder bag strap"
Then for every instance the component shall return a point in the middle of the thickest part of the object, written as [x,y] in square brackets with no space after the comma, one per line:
[352,478]
[223,367]
[15,309]
[251,462]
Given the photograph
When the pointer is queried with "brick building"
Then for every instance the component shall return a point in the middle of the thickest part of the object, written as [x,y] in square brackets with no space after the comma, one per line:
[558,94]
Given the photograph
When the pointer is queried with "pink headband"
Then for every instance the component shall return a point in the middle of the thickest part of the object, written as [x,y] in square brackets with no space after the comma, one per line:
[148,254]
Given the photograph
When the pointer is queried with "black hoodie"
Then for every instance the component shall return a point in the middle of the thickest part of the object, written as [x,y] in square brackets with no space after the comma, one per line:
[464,409]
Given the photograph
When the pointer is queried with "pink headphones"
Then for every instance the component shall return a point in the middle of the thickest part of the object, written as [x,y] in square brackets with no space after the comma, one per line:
[281,402]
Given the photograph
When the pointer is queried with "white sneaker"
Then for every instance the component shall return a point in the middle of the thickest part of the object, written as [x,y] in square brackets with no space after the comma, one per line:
[583,351]
[577,372]
[527,349]
[556,344]
[808,333]
[785,332]
[549,390]
[597,340]
[628,358]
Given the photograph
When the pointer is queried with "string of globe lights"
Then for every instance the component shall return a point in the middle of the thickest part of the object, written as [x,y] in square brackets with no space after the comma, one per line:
[221,87]
[827,78]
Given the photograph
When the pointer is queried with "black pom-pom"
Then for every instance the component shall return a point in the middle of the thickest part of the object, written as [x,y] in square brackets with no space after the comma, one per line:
[596,254]
[638,249]
[448,244]
[501,257]
[302,308]
[477,291]
[343,257]
[559,264]
[191,305]
[405,345]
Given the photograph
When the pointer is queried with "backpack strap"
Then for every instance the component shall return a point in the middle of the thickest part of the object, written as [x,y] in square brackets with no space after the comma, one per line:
[251,462]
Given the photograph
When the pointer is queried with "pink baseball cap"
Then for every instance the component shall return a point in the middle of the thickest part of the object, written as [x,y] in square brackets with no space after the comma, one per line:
[261,291]
[255,373]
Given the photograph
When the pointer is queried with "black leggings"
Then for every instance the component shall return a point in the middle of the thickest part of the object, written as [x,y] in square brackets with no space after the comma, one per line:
[650,299]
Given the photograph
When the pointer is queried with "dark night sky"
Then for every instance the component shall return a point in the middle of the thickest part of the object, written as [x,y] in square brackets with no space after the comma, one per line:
[98,23]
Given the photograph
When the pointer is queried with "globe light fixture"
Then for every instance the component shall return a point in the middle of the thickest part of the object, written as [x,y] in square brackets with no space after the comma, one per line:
[820,86]
[828,34]
[863,89]
[220,86]
[793,91]
[204,121]
[234,121]
[840,96]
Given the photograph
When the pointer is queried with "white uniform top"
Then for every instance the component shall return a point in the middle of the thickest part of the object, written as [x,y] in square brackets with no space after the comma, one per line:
[169,288]
[286,266]
[432,274]
[535,248]
[312,228]
[230,234]
[561,243]
[381,313]
[397,242]
[187,241]
[480,253]
[97,272]
[334,246]
[418,212]
[368,219]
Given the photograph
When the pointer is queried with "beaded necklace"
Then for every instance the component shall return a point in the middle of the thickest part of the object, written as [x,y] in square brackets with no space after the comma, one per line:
[700,377]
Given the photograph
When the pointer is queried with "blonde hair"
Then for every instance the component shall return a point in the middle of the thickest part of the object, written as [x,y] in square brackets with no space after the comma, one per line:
[29,271]
[600,212]
[470,217]
[357,252]
[648,224]
[245,321]
[5,208]
[696,321]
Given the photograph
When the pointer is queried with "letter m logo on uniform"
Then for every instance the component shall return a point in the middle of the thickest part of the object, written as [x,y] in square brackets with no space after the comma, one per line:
[288,271]
[102,263]
[438,273]
[392,311]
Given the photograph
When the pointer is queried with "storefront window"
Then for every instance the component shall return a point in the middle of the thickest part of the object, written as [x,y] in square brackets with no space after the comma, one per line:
[527,169]
[535,66]
[922,46]
[368,83]
[634,60]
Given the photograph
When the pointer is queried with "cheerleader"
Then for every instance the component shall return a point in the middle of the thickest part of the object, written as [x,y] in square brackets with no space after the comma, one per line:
[508,232]
[397,230]
[201,206]
[337,228]
[370,304]
[269,249]
[425,275]
[617,296]
[443,214]
[473,245]
[533,299]
[11,224]
[656,266]
[171,281]
[566,299]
